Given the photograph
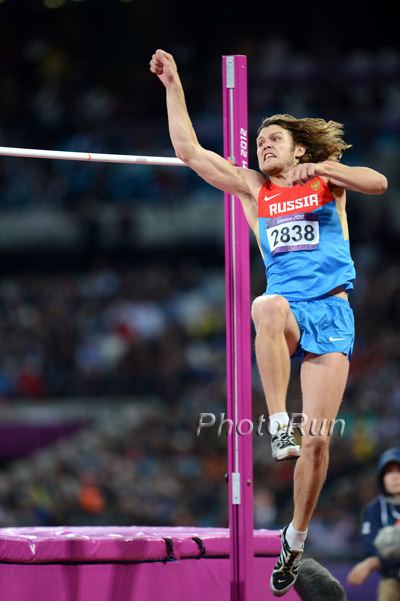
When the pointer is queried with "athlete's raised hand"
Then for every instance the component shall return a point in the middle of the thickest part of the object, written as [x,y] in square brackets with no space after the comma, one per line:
[163,65]
[303,172]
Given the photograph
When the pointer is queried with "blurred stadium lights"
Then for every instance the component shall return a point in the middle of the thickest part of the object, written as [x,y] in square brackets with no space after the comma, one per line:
[53,3]
[60,3]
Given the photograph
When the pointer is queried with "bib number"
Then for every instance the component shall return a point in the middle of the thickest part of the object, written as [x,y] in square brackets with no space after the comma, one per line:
[293,232]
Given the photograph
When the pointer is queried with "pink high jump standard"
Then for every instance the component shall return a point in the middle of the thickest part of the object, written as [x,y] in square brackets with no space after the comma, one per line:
[167,564]
[238,341]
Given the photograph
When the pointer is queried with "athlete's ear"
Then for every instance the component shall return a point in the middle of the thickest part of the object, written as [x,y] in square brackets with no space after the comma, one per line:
[300,151]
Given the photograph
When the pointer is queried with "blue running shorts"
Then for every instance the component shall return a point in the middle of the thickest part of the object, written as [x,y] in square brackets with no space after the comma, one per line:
[326,326]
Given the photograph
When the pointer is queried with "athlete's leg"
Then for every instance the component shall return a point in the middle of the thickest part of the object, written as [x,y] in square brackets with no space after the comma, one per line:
[277,338]
[323,380]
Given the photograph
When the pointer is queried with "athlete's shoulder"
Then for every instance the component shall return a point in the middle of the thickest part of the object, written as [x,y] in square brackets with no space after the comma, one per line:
[252,177]
[254,180]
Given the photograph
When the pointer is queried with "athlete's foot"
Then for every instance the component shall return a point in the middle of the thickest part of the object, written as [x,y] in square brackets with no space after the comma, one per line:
[284,445]
[286,569]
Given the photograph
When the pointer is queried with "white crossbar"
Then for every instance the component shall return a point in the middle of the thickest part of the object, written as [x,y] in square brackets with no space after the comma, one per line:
[94,157]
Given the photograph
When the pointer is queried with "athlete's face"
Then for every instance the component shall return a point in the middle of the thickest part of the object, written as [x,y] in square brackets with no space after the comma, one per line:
[391,478]
[276,150]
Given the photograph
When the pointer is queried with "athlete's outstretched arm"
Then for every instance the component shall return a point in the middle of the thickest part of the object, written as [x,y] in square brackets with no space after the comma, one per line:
[357,179]
[213,168]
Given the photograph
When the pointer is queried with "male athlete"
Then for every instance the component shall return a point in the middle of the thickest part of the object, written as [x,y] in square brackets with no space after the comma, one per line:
[296,209]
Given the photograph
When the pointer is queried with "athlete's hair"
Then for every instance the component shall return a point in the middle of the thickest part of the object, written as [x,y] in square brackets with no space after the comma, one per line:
[323,139]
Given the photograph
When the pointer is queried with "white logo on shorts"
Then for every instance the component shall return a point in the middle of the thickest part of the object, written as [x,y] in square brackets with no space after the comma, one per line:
[332,339]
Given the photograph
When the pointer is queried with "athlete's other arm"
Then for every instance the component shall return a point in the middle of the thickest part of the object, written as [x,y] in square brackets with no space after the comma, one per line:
[357,179]
[213,168]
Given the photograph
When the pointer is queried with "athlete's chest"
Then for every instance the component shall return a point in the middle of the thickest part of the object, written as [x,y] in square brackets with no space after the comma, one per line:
[274,201]
[290,218]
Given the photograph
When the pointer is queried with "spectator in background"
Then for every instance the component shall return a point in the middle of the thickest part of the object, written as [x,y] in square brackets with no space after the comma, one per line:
[383,511]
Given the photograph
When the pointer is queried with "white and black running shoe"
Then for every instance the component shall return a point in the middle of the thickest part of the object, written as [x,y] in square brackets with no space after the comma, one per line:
[286,568]
[284,445]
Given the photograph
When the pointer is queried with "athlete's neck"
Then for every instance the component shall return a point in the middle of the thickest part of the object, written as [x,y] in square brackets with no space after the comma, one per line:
[280,179]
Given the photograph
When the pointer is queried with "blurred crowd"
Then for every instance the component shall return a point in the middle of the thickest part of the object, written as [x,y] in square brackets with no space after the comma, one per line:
[156,329]
[57,92]
[114,331]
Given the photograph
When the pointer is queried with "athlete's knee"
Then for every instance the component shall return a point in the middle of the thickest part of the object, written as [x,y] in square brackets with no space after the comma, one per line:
[270,312]
[315,448]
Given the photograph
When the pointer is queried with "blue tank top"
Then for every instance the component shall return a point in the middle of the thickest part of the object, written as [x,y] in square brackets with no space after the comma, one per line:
[304,240]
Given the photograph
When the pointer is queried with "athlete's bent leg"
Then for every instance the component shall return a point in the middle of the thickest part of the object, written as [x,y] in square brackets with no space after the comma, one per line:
[277,337]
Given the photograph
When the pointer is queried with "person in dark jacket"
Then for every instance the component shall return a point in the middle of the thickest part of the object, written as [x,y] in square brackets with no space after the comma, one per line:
[383,512]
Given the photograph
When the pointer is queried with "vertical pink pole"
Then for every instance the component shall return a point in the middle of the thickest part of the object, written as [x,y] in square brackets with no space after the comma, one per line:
[238,344]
